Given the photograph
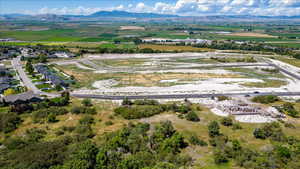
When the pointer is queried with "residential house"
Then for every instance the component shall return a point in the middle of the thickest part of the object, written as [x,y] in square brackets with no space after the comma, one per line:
[26,97]
[52,77]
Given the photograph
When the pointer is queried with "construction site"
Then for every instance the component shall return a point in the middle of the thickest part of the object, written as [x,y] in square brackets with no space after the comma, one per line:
[246,112]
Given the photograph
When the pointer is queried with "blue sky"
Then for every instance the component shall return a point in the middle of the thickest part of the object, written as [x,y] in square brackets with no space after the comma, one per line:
[180,7]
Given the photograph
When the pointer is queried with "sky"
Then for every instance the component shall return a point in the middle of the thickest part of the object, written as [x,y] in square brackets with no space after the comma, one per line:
[179,7]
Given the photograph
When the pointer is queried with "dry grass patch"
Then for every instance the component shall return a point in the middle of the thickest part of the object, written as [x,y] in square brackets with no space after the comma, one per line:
[154,79]
[291,61]
[120,62]
[266,84]
[86,78]
[131,28]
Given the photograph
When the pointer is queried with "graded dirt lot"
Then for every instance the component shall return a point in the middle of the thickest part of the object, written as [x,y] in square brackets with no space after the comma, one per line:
[169,73]
[252,34]
[131,28]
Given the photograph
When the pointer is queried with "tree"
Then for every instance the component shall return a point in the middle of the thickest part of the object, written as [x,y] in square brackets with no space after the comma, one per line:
[86,152]
[192,116]
[173,144]
[42,59]
[289,109]
[29,67]
[131,162]
[283,151]
[66,96]
[259,133]
[76,164]
[9,122]
[213,129]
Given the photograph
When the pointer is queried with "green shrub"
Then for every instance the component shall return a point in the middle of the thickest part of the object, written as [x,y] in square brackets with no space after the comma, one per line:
[220,157]
[83,110]
[87,120]
[272,130]
[136,112]
[84,131]
[9,122]
[87,102]
[78,110]
[237,126]
[266,99]
[192,116]
[194,140]
[47,114]
[226,121]
[289,109]
[35,134]
[222,98]
[213,129]
[145,102]
[51,118]
[109,123]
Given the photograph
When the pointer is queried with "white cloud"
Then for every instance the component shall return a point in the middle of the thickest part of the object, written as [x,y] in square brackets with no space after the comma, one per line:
[198,7]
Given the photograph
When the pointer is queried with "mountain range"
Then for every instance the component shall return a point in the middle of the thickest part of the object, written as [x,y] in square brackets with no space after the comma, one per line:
[124,14]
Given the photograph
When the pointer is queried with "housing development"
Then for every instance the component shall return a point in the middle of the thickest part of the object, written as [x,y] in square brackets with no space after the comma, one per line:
[130,90]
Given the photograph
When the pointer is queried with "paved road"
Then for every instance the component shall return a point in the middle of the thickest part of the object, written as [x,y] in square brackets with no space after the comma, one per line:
[296,76]
[182,96]
[16,63]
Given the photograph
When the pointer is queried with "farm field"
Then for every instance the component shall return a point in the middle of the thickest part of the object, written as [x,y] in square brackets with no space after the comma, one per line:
[173,48]
[249,34]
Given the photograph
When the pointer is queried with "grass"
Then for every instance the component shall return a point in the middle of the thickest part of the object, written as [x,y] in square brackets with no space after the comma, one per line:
[108,45]
[291,61]
[46,35]
[288,44]
[174,48]
[121,62]
[84,78]
[266,84]
[43,86]
[254,73]
[104,111]
[198,60]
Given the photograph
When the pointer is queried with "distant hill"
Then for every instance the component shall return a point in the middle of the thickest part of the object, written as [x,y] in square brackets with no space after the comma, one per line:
[120,14]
